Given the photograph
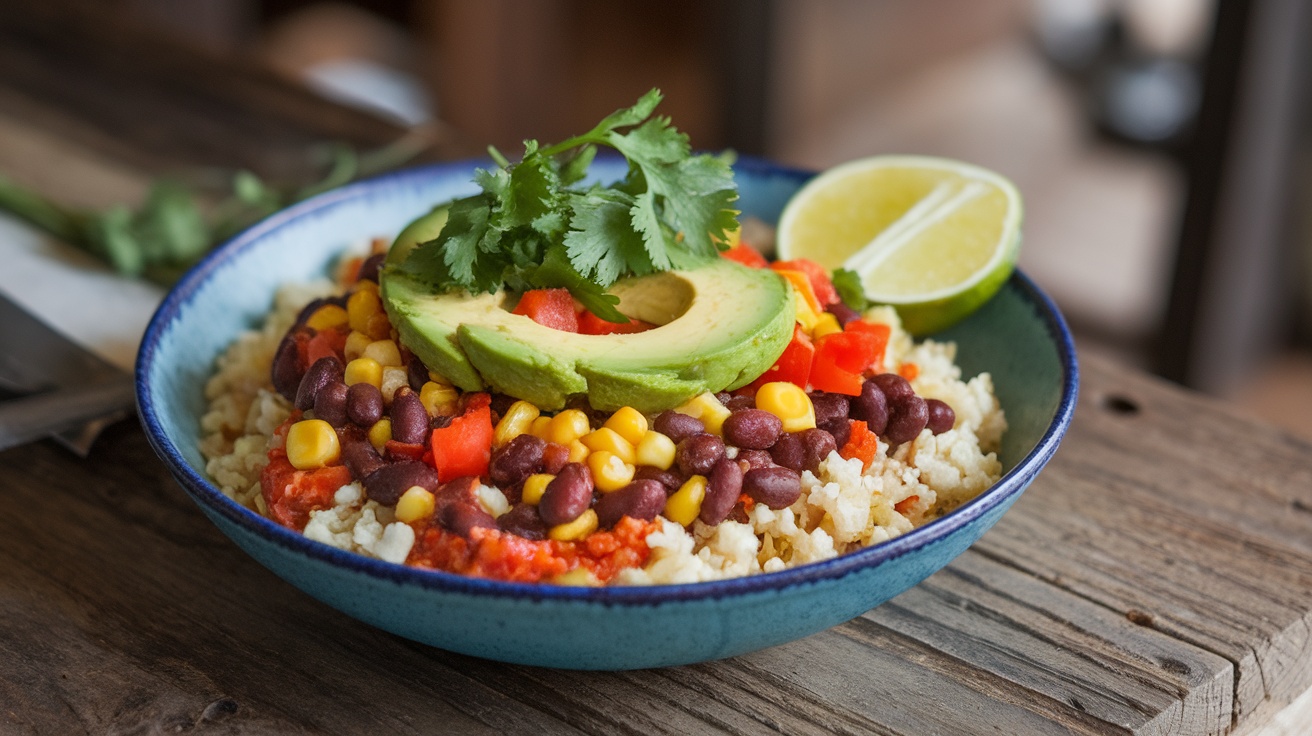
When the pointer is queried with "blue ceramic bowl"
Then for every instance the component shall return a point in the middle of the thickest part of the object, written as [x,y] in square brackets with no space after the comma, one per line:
[1019,337]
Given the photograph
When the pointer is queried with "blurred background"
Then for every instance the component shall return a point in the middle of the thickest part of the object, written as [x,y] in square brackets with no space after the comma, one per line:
[1161,145]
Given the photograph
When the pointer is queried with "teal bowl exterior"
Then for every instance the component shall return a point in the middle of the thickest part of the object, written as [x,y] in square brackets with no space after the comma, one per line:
[1019,336]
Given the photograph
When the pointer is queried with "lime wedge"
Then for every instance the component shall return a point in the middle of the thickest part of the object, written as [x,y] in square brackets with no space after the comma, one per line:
[934,238]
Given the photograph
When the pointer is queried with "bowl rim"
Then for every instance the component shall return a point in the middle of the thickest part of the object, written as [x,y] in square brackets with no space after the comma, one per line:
[208,495]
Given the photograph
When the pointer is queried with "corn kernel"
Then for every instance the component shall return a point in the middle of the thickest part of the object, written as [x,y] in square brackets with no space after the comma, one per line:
[312,444]
[629,423]
[436,377]
[683,506]
[788,402]
[366,285]
[380,433]
[609,440]
[415,504]
[806,316]
[327,317]
[706,408]
[609,472]
[567,426]
[438,399]
[578,452]
[540,426]
[356,342]
[826,324]
[360,306]
[579,576]
[519,419]
[534,486]
[384,351]
[655,449]
[364,370]
[393,379]
[585,524]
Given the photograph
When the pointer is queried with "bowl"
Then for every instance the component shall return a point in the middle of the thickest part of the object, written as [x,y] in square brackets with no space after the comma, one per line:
[1019,337]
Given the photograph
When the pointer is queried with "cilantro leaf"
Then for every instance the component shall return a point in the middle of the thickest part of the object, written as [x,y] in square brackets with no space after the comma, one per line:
[848,285]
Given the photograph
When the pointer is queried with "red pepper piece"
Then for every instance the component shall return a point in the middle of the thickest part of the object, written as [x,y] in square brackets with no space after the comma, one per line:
[821,284]
[793,366]
[861,444]
[552,308]
[292,494]
[464,446]
[881,333]
[327,343]
[591,324]
[746,255]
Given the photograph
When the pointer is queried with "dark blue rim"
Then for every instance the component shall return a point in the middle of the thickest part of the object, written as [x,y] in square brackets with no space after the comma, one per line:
[212,499]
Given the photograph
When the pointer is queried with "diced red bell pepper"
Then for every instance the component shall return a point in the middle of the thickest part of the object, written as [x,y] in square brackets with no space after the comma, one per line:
[292,494]
[464,447]
[881,333]
[793,366]
[404,450]
[746,255]
[591,324]
[325,343]
[552,308]
[862,444]
[821,284]
[826,375]
[802,285]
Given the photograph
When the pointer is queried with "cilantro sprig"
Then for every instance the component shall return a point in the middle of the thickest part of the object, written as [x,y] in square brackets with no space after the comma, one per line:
[535,226]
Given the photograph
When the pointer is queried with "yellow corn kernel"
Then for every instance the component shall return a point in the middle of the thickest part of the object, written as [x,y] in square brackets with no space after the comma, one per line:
[312,444]
[579,576]
[439,400]
[788,402]
[360,306]
[364,370]
[380,433]
[629,423]
[415,504]
[327,317]
[655,449]
[567,426]
[609,440]
[366,285]
[384,351]
[540,426]
[571,531]
[534,486]
[806,316]
[683,506]
[379,327]
[436,377]
[393,379]
[519,419]
[826,324]
[578,452]
[706,408]
[609,472]
[356,342]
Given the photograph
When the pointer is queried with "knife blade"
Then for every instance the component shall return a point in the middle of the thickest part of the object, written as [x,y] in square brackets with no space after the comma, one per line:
[43,376]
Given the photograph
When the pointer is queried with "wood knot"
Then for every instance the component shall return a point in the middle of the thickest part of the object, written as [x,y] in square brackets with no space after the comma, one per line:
[218,710]
[1122,405]
[1142,618]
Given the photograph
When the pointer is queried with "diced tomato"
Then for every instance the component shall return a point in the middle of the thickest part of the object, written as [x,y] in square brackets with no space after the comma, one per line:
[591,324]
[793,366]
[802,285]
[292,494]
[826,375]
[909,371]
[862,444]
[881,333]
[821,284]
[746,255]
[404,450]
[324,344]
[853,351]
[464,446]
[552,308]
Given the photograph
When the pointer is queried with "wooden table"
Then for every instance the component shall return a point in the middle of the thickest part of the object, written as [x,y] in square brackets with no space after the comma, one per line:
[1156,578]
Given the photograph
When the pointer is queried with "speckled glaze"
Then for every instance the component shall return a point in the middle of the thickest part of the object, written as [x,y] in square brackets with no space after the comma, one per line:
[1019,337]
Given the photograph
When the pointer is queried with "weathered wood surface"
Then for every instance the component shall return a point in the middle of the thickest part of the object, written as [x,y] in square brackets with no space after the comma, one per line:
[1157,578]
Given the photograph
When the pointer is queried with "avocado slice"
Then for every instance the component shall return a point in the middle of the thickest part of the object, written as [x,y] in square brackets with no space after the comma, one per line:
[720,326]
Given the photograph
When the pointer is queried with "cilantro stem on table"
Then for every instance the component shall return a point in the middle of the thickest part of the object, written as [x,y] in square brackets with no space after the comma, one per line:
[533,226]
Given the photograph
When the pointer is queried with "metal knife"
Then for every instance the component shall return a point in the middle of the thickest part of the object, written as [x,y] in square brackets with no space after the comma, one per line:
[51,385]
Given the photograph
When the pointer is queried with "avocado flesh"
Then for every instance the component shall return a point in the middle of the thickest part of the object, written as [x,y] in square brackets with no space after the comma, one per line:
[721,326]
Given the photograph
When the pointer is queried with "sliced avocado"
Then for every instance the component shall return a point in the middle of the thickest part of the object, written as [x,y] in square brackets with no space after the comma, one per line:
[421,230]
[721,326]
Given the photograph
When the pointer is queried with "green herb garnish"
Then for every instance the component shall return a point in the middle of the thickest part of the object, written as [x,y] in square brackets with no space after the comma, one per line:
[531,228]
[850,290]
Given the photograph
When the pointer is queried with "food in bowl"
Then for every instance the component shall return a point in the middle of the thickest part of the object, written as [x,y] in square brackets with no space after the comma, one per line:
[720,419]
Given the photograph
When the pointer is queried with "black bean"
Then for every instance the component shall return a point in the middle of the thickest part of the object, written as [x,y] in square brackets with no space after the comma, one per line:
[364,404]
[386,484]
[554,457]
[369,269]
[941,416]
[462,516]
[409,417]
[523,520]
[640,499]
[738,403]
[330,403]
[324,371]
[841,429]
[416,372]
[517,460]
[286,371]
[906,417]
[723,487]
[676,426]
[842,312]
[776,487]
[818,444]
[871,407]
[750,459]
[830,406]
[567,495]
[752,429]
[359,456]
[667,478]
[789,452]
[893,386]
[723,397]
[699,453]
